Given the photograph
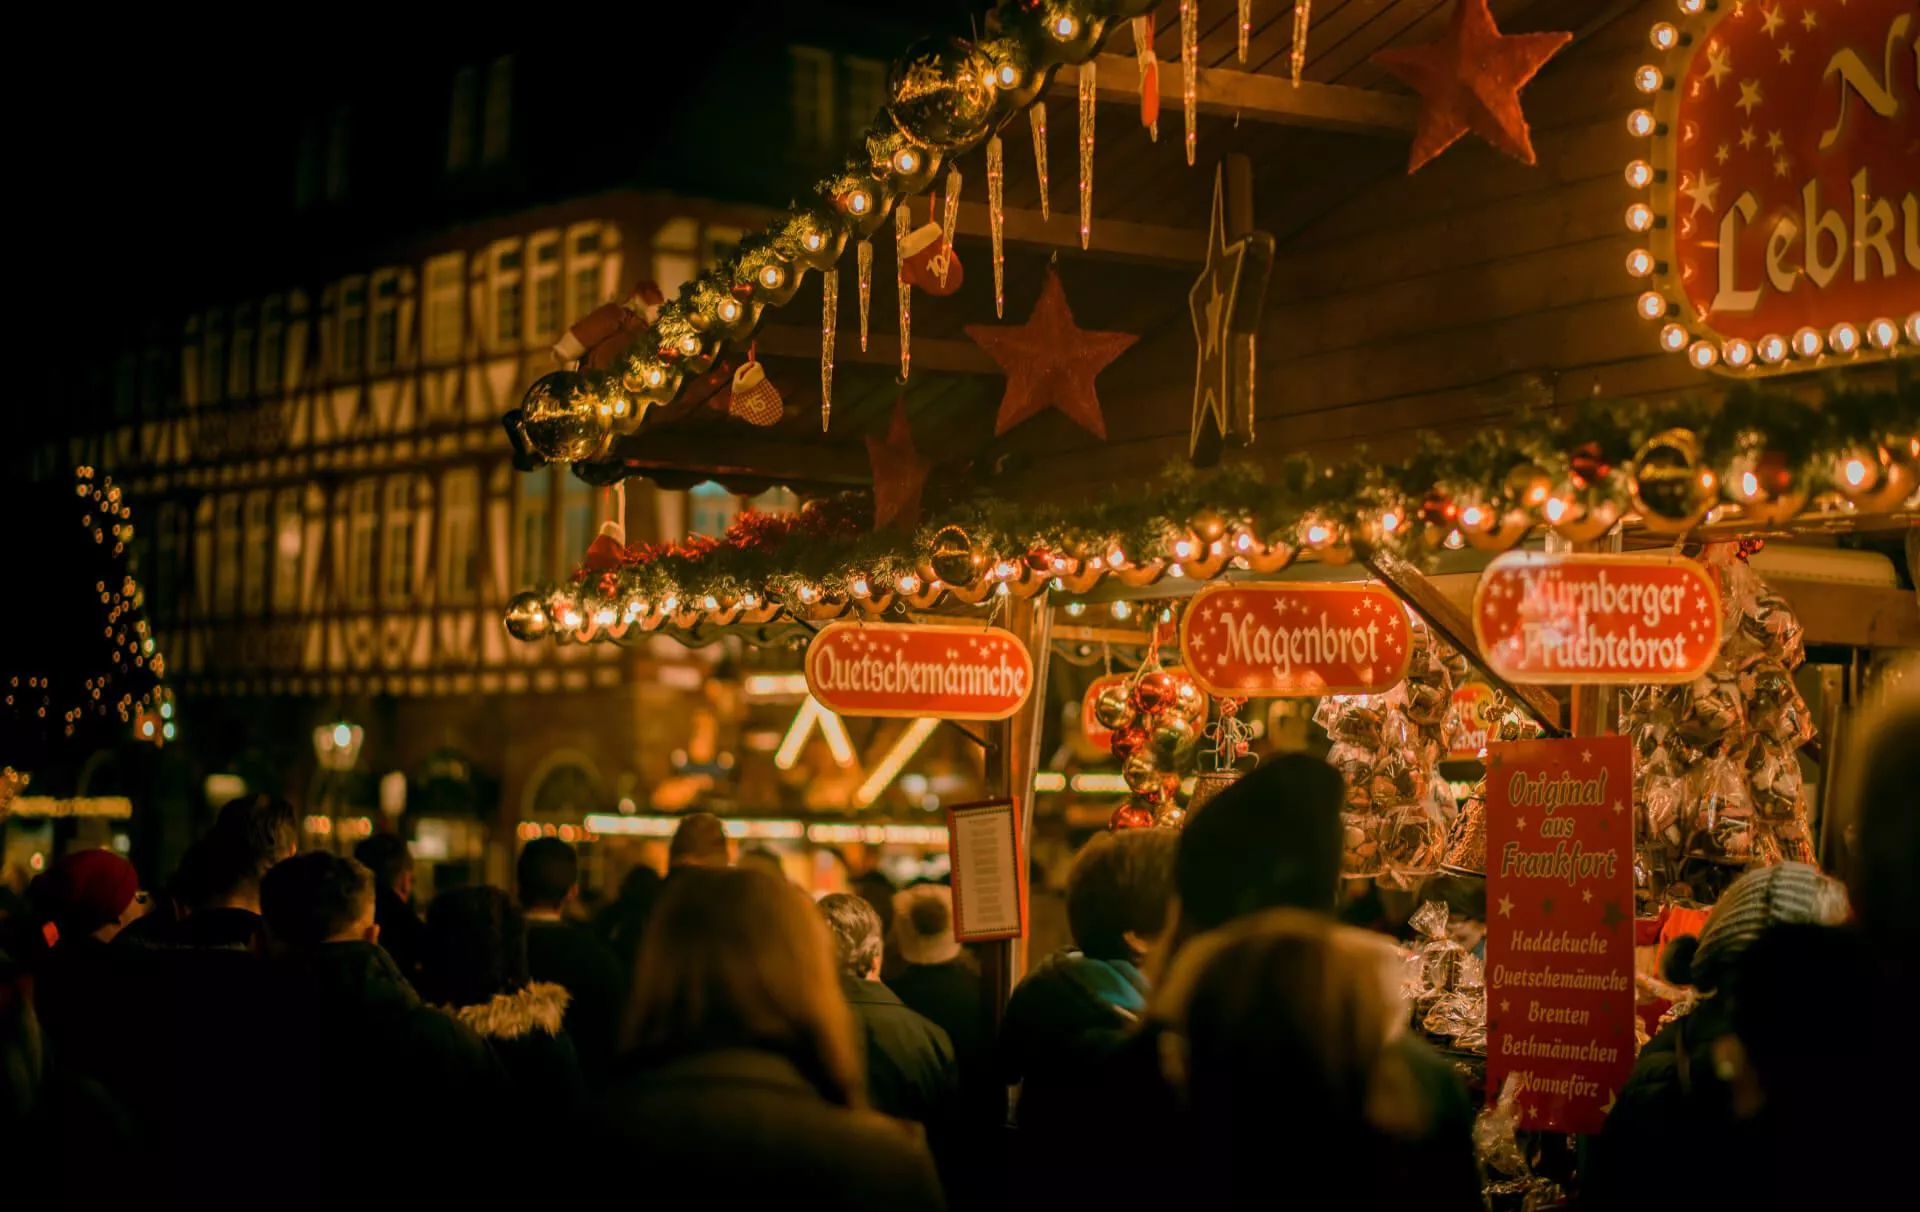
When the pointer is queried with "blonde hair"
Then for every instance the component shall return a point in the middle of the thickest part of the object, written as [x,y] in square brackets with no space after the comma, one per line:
[738,959]
[1287,1007]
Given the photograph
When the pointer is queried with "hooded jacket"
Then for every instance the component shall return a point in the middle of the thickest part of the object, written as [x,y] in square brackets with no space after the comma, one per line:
[1066,1017]
[523,1031]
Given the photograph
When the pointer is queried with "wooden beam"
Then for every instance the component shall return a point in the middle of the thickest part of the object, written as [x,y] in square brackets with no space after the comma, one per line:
[1113,239]
[1257,97]
[883,348]
[729,455]
[1859,616]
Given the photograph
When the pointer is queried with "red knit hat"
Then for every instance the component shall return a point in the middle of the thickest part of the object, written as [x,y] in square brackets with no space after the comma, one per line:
[87,889]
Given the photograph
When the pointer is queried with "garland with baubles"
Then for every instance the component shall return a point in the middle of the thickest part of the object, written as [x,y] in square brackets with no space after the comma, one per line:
[1759,459]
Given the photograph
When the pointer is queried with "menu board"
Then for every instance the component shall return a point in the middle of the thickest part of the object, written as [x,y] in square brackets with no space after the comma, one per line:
[989,876]
[1560,988]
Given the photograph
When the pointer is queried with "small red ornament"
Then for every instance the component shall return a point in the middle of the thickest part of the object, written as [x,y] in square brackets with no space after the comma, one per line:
[1128,741]
[899,474]
[927,256]
[1050,362]
[598,339]
[1470,80]
[1154,692]
[1130,816]
[1588,465]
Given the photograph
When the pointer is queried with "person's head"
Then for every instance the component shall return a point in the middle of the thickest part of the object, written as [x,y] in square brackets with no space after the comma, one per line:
[317,898]
[547,873]
[858,937]
[700,840]
[640,885]
[923,924]
[1785,1018]
[1784,894]
[387,856]
[249,836]
[90,893]
[1118,892]
[1876,803]
[761,859]
[476,947]
[1271,840]
[1286,999]
[738,959]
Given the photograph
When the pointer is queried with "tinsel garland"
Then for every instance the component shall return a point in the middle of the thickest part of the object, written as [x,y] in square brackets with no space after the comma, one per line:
[1416,508]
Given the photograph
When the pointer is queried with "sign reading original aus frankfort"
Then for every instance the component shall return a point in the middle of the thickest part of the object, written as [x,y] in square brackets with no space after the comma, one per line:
[1785,183]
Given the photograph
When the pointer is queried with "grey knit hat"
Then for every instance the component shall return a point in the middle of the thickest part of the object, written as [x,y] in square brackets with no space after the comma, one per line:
[1780,894]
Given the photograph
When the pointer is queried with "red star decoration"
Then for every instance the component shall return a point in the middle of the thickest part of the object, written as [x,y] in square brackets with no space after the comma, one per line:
[899,474]
[1470,80]
[1050,362]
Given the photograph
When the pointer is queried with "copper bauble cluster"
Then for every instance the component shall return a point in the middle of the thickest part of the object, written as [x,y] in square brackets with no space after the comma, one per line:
[1157,720]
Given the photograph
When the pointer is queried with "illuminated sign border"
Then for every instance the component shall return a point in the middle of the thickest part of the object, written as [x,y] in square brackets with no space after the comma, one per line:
[1652,215]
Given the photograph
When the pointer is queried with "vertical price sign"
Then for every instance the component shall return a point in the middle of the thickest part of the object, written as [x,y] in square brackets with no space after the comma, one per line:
[1560,927]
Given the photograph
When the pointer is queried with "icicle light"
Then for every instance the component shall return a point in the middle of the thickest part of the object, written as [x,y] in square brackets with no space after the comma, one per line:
[1087,113]
[1149,75]
[829,323]
[1190,71]
[902,228]
[1037,115]
[949,221]
[1297,55]
[996,178]
[864,259]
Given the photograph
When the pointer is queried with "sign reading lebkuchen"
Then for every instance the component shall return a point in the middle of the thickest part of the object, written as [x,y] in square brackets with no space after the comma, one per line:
[1560,927]
[1472,719]
[1295,639]
[1099,735]
[1787,132]
[953,673]
[1596,618]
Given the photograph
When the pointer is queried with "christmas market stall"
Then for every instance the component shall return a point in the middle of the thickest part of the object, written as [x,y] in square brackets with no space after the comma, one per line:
[1511,401]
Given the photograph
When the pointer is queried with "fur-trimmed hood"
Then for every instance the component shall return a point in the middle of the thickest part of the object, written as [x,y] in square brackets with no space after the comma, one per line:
[538,1007]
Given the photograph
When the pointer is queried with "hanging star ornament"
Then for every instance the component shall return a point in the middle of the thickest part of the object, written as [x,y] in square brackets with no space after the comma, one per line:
[899,474]
[1226,303]
[1050,362]
[1470,80]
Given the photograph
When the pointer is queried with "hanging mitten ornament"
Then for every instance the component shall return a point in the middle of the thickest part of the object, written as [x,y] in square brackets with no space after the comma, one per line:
[928,254]
[755,399]
[601,335]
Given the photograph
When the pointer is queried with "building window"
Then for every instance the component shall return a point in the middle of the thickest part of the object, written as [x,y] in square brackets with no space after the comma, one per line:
[273,345]
[166,574]
[533,560]
[339,128]
[459,533]
[287,542]
[812,100]
[126,386]
[497,136]
[546,289]
[446,306]
[577,523]
[462,110]
[386,321]
[676,254]
[509,303]
[588,261]
[253,572]
[240,368]
[866,89]
[226,555]
[711,508]
[213,358]
[363,520]
[350,323]
[397,585]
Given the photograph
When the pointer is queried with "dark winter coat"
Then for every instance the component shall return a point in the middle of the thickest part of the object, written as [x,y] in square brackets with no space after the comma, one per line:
[83,992]
[747,1128]
[1672,1112]
[569,956]
[1062,1021]
[524,1031]
[402,933]
[950,996]
[911,1070]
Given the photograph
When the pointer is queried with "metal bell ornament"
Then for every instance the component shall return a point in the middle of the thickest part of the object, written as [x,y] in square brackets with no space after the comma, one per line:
[954,557]
[942,92]
[564,418]
[526,617]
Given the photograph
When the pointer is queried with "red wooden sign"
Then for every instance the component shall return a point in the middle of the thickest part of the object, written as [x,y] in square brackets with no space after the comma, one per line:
[1788,135]
[1287,640]
[1472,716]
[1596,618]
[953,673]
[1560,927]
[1097,735]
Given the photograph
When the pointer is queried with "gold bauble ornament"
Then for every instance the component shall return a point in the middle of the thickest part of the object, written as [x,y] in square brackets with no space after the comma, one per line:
[1054,31]
[1579,512]
[1208,525]
[1189,701]
[941,94]
[1765,484]
[811,237]
[906,167]
[526,618]
[1142,772]
[1672,488]
[1113,707]
[1873,481]
[762,274]
[1173,737]
[564,417]
[954,557]
[1169,815]
[1527,486]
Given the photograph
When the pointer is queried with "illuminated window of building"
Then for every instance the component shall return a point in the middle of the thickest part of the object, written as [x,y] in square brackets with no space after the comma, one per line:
[253,555]
[546,288]
[385,347]
[497,135]
[711,508]
[532,560]
[273,345]
[350,326]
[240,368]
[577,525]
[462,110]
[811,99]
[586,270]
[397,584]
[459,533]
[866,89]
[226,555]
[774,500]
[363,522]
[288,540]
[213,357]
[676,254]
[446,305]
[509,299]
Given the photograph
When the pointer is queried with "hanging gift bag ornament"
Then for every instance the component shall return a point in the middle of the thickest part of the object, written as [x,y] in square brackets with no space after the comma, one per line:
[929,261]
[755,399]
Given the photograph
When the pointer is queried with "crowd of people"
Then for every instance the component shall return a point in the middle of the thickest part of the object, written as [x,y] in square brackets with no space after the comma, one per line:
[285,1025]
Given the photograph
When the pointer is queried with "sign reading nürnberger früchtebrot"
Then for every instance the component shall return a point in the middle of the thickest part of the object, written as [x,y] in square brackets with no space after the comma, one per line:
[1295,639]
[952,673]
[1596,618]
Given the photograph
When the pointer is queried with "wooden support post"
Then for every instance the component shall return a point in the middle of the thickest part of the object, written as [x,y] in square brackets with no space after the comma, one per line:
[1456,628]
[1010,767]
[1257,97]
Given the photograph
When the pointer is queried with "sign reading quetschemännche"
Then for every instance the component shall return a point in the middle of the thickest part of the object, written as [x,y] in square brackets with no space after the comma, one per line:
[1596,618]
[952,673]
[1560,927]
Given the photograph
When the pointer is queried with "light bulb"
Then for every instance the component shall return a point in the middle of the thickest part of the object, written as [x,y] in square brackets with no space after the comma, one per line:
[1065,26]
[1773,349]
[1652,305]
[1174,570]
[1004,571]
[1692,7]
[1664,36]
[1806,342]
[1736,353]
[1243,542]
[1913,327]
[1639,174]
[750,600]
[906,160]
[1673,338]
[1183,549]
[690,344]
[1389,522]
[909,583]
[654,376]
[1116,557]
[1843,338]
[1007,76]
[1749,485]
[672,602]
[1455,540]
[1702,354]
[808,593]
[1856,472]
[1882,333]
[858,201]
[1318,534]
[813,241]
[1639,262]
[860,587]
[605,616]
[1121,609]
[1648,78]
[1639,217]
[730,308]
[772,275]
[1076,609]
[1555,509]
[1473,515]
[1640,123]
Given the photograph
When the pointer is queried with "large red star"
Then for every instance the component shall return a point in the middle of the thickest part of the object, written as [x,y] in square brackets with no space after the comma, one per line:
[899,474]
[1470,80]
[1050,362]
